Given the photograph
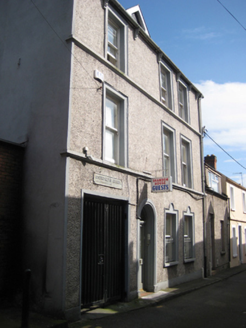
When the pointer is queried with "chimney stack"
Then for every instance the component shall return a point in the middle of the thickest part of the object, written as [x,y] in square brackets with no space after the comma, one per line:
[211,160]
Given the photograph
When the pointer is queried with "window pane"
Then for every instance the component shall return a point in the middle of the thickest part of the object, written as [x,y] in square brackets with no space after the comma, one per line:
[168,153]
[166,142]
[111,114]
[188,237]
[181,95]
[213,181]
[168,224]
[110,145]
[184,154]
[187,248]
[112,51]
[232,197]
[163,80]
[215,186]
[170,237]
[186,164]
[112,35]
[234,242]
[166,166]
[186,226]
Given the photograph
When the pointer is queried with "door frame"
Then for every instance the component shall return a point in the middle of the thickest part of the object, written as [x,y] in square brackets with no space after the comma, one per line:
[240,244]
[212,242]
[146,202]
[85,192]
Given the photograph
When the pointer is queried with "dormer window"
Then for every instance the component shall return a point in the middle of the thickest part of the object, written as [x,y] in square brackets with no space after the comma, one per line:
[213,181]
[137,15]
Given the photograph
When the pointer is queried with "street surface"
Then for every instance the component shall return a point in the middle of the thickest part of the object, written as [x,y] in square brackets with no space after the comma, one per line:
[220,305]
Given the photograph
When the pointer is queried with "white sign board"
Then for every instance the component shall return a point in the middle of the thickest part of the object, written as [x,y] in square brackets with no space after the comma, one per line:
[103,180]
[162,184]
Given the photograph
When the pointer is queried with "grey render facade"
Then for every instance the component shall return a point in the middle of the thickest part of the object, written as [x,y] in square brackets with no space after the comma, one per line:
[217,218]
[103,110]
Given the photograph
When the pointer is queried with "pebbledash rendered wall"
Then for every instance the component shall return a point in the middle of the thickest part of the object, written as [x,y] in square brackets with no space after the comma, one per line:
[145,115]
[53,103]
[217,213]
[34,88]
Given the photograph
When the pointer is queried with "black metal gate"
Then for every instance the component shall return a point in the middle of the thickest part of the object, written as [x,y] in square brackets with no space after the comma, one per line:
[102,251]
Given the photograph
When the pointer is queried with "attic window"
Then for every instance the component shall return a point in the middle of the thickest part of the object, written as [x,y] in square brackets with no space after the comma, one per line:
[136,18]
[136,14]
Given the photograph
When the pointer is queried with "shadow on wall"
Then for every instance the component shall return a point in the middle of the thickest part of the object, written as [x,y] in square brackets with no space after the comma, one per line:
[11,177]
[217,239]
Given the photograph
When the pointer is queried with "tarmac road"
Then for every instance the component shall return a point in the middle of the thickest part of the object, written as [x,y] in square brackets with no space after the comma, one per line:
[220,305]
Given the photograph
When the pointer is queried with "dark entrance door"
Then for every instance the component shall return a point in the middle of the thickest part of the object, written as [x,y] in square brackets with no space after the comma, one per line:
[102,251]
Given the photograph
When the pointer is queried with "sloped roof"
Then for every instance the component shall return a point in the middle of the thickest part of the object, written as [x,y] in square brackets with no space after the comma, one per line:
[145,34]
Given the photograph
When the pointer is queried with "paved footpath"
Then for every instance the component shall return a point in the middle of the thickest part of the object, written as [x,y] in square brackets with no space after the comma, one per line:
[213,303]
[116,315]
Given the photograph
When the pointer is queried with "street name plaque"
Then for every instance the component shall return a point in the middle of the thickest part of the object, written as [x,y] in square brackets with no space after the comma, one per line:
[106,181]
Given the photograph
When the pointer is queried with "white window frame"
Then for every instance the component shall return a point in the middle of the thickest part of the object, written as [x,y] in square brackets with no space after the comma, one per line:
[212,181]
[119,131]
[232,198]
[234,241]
[183,104]
[186,164]
[171,156]
[166,93]
[189,235]
[119,59]
[244,201]
[171,239]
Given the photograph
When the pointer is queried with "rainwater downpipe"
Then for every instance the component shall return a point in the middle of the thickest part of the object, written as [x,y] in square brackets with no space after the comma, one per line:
[203,187]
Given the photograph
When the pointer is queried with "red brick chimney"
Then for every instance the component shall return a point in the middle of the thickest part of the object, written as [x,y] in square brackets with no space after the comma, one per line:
[211,160]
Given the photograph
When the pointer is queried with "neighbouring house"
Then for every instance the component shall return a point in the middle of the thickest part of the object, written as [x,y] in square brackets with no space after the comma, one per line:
[237,195]
[11,178]
[113,198]
[217,238]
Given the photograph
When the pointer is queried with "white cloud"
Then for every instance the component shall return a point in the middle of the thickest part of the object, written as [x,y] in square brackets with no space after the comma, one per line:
[232,161]
[200,33]
[224,112]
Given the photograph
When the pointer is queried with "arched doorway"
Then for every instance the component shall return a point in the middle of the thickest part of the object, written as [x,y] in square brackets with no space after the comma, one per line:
[147,247]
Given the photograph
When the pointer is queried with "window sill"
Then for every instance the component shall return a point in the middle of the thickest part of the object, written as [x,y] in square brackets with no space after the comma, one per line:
[189,260]
[186,189]
[169,264]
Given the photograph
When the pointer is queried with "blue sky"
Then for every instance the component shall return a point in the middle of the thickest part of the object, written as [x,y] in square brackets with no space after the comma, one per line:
[209,47]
